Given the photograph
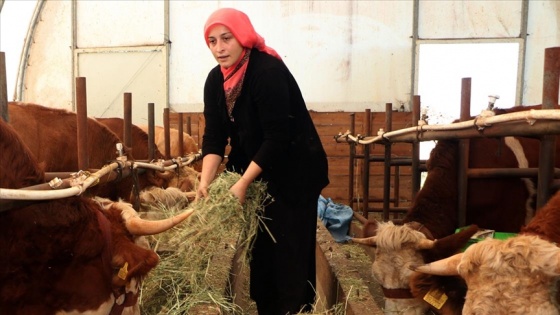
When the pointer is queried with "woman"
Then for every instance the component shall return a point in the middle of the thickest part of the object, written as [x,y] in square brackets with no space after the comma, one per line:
[252,99]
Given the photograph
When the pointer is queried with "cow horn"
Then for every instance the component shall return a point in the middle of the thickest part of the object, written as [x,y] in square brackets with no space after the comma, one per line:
[443,267]
[138,226]
[366,241]
[426,244]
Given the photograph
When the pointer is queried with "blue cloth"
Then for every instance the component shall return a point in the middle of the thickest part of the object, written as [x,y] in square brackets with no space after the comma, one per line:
[335,217]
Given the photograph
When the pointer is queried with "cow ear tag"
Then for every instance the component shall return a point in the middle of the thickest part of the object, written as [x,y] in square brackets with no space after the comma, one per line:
[436,298]
[123,272]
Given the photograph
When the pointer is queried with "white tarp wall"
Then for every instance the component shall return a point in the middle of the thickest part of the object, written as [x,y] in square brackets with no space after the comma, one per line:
[346,55]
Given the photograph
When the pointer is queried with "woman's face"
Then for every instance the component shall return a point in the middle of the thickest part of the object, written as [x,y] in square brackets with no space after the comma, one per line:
[225,48]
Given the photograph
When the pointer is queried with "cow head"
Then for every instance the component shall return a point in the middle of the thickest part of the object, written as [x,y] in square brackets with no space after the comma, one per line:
[398,247]
[168,198]
[515,276]
[186,179]
[132,258]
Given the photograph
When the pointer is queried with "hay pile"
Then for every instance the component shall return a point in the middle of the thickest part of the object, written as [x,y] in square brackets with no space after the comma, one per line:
[189,275]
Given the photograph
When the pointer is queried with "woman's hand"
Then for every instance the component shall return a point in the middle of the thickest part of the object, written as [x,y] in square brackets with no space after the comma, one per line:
[210,165]
[239,189]
[201,191]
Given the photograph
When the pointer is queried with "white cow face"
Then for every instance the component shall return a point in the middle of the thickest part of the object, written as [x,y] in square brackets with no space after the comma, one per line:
[398,248]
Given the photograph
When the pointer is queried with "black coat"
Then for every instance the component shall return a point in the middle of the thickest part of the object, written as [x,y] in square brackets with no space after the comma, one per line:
[271,126]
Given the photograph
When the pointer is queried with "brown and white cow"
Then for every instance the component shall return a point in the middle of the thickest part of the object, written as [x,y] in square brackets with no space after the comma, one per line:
[515,276]
[500,204]
[74,255]
[51,135]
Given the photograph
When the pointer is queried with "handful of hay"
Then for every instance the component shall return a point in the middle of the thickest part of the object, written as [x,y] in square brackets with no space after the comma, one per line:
[196,256]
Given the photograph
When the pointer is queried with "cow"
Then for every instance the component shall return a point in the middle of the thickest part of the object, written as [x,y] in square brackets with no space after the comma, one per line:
[189,146]
[186,176]
[51,135]
[513,276]
[138,137]
[501,204]
[75,255]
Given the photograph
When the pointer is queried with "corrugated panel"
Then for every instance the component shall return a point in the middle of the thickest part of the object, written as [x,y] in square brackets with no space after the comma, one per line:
[469,19]
[119,23]
[138,72]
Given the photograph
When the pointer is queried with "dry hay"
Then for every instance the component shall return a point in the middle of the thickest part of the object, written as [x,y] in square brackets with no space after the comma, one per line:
[185,277]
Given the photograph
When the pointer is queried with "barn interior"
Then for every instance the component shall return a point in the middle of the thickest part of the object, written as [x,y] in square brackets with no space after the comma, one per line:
[369,70]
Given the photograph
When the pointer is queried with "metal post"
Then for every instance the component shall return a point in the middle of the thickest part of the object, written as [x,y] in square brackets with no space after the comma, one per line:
[81,116]
[365,174]
[166,132]
[3,88]
[463,163]
[151,132]
[127,120]
[351,161]
[180,130]
[551,80]
[415,148]
[387,163]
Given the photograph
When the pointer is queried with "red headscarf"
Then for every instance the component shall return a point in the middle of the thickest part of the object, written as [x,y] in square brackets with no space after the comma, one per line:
[241,28]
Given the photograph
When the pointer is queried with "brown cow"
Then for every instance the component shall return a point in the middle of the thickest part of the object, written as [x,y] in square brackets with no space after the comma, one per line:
[515,276]
[500,204]
[189,146]
[68,256]
[138,137]
[51,135]
[186,177]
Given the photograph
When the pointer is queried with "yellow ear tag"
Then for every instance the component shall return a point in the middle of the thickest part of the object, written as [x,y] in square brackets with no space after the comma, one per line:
[123,272]
[436,298]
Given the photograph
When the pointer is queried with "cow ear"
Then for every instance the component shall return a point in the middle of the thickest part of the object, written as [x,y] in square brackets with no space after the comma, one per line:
[550,266]
[371,241]
[426,244]
[451,244]
[443,267]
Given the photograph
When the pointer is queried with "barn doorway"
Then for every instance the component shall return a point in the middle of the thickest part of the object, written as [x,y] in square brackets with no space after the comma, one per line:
[492,67]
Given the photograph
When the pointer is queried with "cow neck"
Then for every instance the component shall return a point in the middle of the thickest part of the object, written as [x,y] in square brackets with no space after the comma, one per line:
[107,254]
[130,299]
[421,228]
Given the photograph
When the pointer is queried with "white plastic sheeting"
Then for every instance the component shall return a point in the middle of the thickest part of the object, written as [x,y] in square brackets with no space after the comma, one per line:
[346,55]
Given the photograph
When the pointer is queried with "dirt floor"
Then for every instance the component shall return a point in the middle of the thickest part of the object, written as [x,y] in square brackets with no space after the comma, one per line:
[351,265]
